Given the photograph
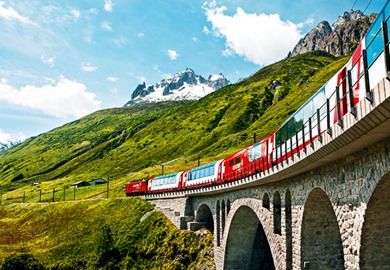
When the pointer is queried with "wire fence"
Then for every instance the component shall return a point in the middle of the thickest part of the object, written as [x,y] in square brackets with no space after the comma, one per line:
[59,194]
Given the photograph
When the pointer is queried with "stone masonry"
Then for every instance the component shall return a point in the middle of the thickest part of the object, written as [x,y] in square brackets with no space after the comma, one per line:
[327,209]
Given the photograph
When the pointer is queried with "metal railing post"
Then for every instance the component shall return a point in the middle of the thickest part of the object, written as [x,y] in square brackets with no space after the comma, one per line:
[351,98]
[303,138]
[319,126]
[297,145]
[385,35]
[311,133]
[369,96]
[339,120]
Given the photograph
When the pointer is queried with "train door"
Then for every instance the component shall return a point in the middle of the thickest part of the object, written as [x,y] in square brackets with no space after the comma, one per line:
[221,172]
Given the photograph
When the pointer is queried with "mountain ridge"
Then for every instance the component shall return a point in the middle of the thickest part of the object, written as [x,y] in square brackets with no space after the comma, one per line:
[185,85]
[5,145]
[339,39]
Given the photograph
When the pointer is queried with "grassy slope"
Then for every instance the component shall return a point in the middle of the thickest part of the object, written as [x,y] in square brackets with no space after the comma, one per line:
[93,233]
[129,143]
[117,143]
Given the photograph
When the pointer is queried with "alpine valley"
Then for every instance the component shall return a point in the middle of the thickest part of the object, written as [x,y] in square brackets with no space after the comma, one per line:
[215,119]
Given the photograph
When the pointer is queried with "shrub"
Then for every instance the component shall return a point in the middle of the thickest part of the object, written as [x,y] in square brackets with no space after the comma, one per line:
[23,261]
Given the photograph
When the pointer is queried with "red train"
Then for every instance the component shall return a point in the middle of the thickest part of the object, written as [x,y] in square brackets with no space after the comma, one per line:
[326,107]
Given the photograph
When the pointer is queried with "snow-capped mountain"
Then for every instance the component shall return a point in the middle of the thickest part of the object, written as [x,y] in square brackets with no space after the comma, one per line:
[184,85]
[8,144]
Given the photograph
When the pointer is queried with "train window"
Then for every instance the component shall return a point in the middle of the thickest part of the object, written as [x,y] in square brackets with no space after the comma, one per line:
[319,99]
[290,128]
[231,163]
[284,133]
[254,152]
[298,121]
[277,138]
[238,159]
[375,48]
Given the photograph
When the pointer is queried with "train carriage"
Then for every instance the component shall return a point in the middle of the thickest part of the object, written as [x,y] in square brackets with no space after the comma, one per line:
[327,106]
[248,161]
[135,188]
[168,182]
[205,175]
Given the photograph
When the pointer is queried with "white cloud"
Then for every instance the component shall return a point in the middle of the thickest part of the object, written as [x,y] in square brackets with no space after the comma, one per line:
[65,99]
[48,60]
[112,79]
[88,34]
[6,137]
[195,39]
[206,30]
[166,76]
[76,14]
[141,78]
[11,14]
[106,26]
[87,67]
[94,11]
[227,52]
[172,54]
[260,38]
[120,42]
[108,6]
[156,68]
[141,35]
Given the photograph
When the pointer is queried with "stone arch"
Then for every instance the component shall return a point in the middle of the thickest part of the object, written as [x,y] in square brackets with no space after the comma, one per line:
[266,201]
[288,226]
[321,245]
[247,246]
[218,225]
[277,209]
[223,215]
[375,248]
[204,218]
[227,207]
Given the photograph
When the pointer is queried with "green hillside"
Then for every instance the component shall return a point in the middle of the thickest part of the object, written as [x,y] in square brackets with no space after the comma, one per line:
[95,234]
[130,143]
[125,144]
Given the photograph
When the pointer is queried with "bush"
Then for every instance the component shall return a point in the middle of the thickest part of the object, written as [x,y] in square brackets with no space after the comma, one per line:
[18,177]
[23,261]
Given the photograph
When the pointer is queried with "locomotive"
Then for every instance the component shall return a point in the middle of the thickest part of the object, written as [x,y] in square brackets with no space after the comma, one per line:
[326,107]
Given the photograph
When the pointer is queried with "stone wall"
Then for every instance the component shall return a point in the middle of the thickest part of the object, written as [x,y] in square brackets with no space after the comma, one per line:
[323,220]
[326,209]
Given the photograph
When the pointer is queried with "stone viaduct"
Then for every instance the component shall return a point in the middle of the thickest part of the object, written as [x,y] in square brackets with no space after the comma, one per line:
[326,208]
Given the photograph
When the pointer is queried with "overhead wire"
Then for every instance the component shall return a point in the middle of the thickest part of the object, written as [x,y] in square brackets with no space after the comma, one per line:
[354,5]
[367,6]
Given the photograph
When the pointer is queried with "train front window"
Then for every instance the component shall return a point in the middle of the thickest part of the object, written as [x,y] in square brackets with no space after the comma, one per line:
[254,152]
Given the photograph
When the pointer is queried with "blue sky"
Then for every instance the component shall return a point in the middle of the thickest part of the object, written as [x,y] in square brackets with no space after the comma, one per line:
[61,60]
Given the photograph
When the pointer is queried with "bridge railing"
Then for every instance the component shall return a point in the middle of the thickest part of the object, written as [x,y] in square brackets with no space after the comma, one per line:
[339,96]
[366,68]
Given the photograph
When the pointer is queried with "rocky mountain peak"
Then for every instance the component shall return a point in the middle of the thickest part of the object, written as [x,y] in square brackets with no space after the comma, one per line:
[340,39]
[185,85]
[310,41]
[354,15]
